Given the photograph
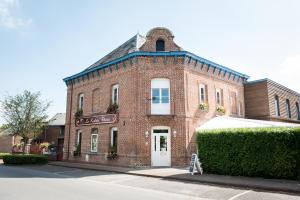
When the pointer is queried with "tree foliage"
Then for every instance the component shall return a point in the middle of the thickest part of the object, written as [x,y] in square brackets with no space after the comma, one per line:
[25,114]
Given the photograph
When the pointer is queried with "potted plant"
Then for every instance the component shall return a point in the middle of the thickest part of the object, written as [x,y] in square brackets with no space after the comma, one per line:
[221,110]
[112,109]
[77,151]
[79,113]
[203,106]
[17,148]
[112,154]
[44,147]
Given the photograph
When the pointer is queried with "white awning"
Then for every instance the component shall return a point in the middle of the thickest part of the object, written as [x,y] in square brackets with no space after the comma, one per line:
[220,122]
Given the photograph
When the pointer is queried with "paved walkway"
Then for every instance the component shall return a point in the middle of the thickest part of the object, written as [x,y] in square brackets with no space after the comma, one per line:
[183,175]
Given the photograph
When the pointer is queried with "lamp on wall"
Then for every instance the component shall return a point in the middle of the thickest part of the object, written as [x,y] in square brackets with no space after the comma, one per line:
[146,134]
[174,133]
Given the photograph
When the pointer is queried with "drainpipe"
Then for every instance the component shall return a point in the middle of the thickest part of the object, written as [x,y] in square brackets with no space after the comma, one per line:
[70,116]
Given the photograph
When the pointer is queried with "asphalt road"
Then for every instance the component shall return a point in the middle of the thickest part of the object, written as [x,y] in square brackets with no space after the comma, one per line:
[52,182]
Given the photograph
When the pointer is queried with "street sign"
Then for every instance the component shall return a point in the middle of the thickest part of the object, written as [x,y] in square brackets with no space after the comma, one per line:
[195,165]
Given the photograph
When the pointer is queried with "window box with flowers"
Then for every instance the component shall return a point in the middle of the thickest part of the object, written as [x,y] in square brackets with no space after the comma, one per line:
[112,109]
[220,110]
[79,113]
[203,107]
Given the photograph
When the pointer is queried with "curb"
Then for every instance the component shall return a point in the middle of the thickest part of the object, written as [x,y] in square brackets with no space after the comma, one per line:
[184,179]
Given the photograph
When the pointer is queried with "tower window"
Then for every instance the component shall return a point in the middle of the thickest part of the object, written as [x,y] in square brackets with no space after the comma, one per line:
[160,45]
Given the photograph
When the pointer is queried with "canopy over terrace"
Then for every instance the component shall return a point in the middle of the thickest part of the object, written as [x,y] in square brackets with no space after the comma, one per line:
[223,122]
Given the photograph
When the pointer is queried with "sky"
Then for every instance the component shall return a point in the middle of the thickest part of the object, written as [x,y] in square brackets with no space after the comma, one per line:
[42,42]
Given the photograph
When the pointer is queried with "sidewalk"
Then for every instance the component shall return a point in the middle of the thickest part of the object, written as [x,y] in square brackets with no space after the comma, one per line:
[182,174]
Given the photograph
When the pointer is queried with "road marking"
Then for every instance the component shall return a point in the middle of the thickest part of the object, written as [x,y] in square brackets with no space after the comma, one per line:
[62,172]
[185,196]
[238,195]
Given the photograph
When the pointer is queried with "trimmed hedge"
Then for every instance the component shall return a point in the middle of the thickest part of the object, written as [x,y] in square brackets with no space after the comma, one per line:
[3,154]
[261,152]
[21,159]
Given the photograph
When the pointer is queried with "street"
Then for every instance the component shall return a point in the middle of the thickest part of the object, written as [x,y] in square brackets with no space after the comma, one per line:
[53,182]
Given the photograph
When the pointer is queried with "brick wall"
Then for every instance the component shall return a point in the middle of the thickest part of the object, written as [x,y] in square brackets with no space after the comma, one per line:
[134,79]
[260,101]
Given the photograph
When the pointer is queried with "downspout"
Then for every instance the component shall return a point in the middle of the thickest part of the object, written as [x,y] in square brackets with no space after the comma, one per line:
[70,116]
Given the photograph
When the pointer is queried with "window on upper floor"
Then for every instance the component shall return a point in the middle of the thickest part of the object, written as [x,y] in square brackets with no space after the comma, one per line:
[233,103]
[202,93]
[219,97]
[62,130]
[115,94]
[240,111]
[80,101]
[160,96]
[160,45]
[277,107]
[96,100]
[297,111]
[288,109]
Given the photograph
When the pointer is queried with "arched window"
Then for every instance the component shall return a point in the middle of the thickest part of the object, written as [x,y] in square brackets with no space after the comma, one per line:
[297,111]
[277,108]
[160,45]
[288,109]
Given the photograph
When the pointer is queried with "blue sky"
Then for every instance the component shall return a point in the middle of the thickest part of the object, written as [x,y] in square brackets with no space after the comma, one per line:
[41,42]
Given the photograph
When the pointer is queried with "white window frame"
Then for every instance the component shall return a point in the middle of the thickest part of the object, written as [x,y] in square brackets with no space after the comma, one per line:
[112,135]
[113,101]
[78,132]
[202,86]
[159,107]
[81,101]
[96,150]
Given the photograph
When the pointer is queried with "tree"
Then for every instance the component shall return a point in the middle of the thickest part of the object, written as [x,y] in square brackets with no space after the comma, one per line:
[25,114]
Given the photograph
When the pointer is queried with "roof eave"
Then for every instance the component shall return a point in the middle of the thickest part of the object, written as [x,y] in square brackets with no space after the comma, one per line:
[143,53]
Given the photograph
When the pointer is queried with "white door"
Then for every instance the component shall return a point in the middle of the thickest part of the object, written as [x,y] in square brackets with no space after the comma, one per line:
[160,96]
[160,147]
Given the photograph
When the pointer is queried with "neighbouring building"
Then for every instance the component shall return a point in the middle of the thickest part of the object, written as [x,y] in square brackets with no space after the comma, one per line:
[54,133]
[141,103]
[268,100]
[8,141]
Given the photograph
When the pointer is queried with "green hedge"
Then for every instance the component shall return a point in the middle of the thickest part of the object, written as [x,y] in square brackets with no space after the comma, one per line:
[263,152]
[20,159]
[3,154]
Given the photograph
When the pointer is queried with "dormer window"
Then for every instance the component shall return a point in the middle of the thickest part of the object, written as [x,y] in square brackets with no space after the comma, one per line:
[160,45]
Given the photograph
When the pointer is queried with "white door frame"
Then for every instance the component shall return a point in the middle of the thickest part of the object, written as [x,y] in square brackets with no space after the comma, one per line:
[155,157]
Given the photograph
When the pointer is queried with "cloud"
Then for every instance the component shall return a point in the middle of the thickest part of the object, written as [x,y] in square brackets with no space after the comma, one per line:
[9,17]
[288,72]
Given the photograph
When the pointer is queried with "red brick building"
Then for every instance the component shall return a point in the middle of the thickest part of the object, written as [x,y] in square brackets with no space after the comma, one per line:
[141,103]
[268,100]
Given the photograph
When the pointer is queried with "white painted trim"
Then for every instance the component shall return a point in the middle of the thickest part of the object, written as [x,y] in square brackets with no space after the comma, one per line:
[81,102]
[201,85]
[111,135]
[77,135]
[116,86]
[169,142]
[96,134]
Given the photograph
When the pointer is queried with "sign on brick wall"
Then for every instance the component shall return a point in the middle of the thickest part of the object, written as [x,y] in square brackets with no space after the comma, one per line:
[98,119]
